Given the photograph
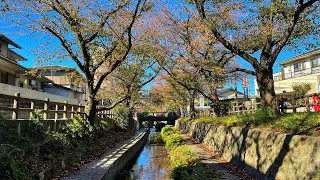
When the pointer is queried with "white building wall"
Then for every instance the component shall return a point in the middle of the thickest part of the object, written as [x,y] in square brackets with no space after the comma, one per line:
[32,94]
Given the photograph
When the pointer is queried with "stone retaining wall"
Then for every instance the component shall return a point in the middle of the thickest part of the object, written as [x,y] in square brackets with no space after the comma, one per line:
[263,154]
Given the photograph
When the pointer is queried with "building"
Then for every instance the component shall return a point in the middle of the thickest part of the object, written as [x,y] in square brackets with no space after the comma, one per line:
[65,76]
[11,72]
[303,68]
[225,94]
[15,78]
[66,81]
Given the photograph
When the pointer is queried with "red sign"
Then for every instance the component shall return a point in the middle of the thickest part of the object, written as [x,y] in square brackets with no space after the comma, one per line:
[244,82]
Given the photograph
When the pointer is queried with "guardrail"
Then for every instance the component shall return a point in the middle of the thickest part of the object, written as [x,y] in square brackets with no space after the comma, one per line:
[284,76]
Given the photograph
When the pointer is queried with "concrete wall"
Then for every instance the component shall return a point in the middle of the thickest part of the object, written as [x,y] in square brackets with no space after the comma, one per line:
[263,154]
[32,94]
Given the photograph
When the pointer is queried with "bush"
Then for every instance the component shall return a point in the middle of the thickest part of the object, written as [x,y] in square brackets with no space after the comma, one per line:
[181,156]
[256,118]
[166,131]
[78,128]
[121,116]
[172,141]
[9,162]
[34,130]
[56,144]
[23,157]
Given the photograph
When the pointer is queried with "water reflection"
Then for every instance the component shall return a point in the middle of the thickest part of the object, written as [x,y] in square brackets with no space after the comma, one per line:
[152,163]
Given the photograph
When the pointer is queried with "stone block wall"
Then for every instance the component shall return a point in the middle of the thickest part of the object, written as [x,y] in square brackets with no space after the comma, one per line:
[263,154]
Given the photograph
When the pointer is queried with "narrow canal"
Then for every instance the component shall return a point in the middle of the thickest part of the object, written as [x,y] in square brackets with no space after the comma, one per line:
[152,163]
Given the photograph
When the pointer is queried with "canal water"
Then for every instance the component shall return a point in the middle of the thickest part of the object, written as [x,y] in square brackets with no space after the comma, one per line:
[152,163]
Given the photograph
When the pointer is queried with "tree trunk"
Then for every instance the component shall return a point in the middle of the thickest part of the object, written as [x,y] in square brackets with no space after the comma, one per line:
[192,111]
[181,111]
[266,87]
[215,102]
[91,109]
[131,110]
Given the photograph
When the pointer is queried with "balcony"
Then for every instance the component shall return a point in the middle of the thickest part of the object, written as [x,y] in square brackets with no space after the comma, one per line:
[306,72]
[7,89]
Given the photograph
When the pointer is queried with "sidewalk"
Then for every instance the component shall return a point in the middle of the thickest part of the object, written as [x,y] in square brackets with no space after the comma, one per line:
[112,161]
[211,161]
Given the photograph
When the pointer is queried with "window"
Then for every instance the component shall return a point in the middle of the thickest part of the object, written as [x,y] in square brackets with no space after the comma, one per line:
[4,77]
[315,62]
[32,82]
[21,84]
[299,66]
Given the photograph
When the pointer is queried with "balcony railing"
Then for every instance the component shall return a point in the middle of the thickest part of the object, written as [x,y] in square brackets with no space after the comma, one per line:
[305,72]
[7,89]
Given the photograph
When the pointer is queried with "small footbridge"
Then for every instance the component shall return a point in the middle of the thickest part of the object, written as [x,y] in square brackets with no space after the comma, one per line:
[164,117]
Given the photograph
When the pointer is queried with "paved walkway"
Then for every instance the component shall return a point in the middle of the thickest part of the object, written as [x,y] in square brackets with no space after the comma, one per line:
[97,169]
[212,162]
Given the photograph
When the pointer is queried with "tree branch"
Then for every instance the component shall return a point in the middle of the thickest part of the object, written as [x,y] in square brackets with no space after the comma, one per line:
[281,43]
[241,70]
[117,63]
[114,105]
[105,19]
[67,46]
[234,49]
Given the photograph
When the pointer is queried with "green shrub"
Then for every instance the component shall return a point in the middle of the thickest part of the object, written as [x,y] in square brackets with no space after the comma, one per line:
[10,168]
[78,128]
[181,156]
[34,130]
[56,144]
[172,141]
[166,131]
[121,115]
[254,119]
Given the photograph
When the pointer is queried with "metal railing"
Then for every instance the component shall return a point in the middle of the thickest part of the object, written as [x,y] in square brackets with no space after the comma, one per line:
[301,73]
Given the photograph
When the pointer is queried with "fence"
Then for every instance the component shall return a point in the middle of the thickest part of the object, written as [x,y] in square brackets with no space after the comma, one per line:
[243,106]
[18,108]
[283,76]
[296,104]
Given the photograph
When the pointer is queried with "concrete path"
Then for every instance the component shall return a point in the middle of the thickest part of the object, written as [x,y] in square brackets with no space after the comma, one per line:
[98,169]
[211,161]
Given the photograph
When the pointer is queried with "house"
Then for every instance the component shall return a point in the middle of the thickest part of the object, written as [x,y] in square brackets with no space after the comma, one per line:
[11,72]
[66,81]
[303,68]
[225,94]
[15,78]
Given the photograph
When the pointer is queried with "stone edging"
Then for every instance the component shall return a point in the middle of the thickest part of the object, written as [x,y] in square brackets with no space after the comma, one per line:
[114,161]
[262,154]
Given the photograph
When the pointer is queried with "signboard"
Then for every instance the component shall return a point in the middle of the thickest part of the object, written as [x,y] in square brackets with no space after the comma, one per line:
[245,92]
[245,82]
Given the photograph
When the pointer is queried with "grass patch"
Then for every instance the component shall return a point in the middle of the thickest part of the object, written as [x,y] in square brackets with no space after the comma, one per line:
[295,123]
[185,164]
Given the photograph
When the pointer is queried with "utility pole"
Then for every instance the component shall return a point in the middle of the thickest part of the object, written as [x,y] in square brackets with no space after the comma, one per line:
[235,79]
